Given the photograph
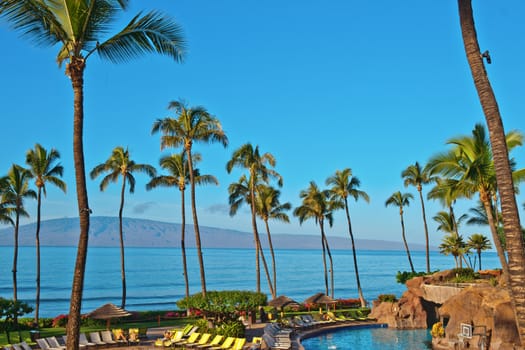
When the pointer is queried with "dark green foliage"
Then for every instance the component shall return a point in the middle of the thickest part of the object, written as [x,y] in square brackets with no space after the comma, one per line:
[464,275]
[402,277]
[10,311]
[387,298]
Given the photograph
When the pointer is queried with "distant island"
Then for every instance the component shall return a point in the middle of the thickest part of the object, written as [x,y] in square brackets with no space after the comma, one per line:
[149,233]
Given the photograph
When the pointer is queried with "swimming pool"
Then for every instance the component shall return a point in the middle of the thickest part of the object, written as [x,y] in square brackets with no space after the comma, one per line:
[370,338]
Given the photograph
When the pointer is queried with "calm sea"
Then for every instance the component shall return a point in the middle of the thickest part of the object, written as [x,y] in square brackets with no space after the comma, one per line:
[155,281]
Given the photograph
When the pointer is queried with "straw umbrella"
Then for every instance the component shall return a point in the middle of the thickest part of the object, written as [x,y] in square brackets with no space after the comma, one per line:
[107,312]
[320,299]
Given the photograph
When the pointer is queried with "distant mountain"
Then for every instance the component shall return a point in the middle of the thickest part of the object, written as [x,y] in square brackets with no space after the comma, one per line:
[149,233]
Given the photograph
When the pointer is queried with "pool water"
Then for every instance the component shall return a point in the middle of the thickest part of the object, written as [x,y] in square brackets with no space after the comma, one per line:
[370,339]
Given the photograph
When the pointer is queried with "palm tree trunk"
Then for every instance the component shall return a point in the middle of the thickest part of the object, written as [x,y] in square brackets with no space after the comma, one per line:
[15,253]
[37,244]
[331,265]
[509,209]
[479,258]
[274,269]
[196,221]
[75,71]
[266,270]
[358,282]
[255,237]
[405,241]
[321,225]
[183,245]
[427,243]
[122,265]
[495,237]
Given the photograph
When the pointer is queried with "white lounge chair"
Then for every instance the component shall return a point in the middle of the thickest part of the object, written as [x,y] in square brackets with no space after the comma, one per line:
[95,338]
[25,346]
[107,337]
[54,344]
[82,340]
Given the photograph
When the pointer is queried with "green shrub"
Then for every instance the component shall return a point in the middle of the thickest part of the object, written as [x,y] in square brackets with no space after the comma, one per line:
[464,275]
[230,329]
[387,298]
[402,277]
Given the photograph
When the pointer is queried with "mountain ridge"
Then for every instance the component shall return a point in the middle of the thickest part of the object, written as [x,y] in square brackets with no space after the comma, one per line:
[150,233]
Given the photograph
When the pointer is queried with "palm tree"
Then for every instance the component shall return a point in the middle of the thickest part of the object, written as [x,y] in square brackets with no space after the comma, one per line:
[316,205]
[416,176]
[447,223]
[119,164]
[259,171]
[192,125]
[401,200]
[42,165]
[16,190]
[479,242]
[240,194]
[344,184]
[80,27]
[269,207]
[177,167]
[6,207]
[453,245]
[509,208]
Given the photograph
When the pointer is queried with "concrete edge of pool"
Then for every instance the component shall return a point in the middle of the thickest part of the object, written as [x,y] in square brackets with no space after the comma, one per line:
[310,333]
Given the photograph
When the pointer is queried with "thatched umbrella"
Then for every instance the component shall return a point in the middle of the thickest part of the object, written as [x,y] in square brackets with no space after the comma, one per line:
[283,301]
[320,299]
[107,312]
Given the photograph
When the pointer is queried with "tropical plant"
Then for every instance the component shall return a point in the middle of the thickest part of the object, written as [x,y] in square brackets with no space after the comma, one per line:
[509,208]
[453,245]
[45,169]
[10,311]
[118,165]
[269,207]
[192,125]
[177,167]
[415,175]
[401,200]
[80,27]
[6,207]
[479,243]
[16,191]
[316,204]
[345,185]
[449,224]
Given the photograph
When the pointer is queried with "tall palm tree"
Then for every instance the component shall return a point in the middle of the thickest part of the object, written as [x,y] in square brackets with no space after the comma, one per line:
[16,191]
[401,200]
[453,245]
[193,124]
[509,208]
[177,168]
[316,205]
[479,242]
[118,165]
[470,163]
[415,175]
[239,193]
[345,185]
[43,165]
[259,167]
[269,207]
[81,27]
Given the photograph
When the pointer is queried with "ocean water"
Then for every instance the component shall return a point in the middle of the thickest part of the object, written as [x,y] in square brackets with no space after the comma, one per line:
[155,281]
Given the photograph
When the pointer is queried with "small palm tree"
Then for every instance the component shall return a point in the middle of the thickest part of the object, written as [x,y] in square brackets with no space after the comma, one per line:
[316,205]
[44,168]
[269,207]
[415,175]
[449,224]
[259,167]
[453,245]
[81,29]
[15,192]
[401,200]
[345,185]
[479,243]
[177,167]
[119,164]
[192,125]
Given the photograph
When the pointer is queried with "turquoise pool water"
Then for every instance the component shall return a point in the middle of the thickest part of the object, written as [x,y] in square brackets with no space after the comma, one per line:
[369,339]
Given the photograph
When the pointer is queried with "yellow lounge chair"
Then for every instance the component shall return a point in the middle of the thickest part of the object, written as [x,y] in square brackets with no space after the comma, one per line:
[202,341]
[215,342]
[239,344]
[226,345]
[177,336]
[191,339]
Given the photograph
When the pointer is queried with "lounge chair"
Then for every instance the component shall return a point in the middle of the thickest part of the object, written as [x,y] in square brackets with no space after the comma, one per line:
[82,339]
[44,345]
[17,347]
[239,344]
[107,337]
[118,335]
[168,342]
[95,338]
[202,341]
[25,346]
[54,344]
[226,345]
[215,342]
[191,339]
[133,336]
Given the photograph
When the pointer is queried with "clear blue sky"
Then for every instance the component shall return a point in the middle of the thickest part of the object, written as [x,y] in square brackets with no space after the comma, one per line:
[370,85]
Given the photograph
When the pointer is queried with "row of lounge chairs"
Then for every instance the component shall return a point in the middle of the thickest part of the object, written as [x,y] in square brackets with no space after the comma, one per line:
[202,341]
[104,338]
[20,346]
[276,337]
